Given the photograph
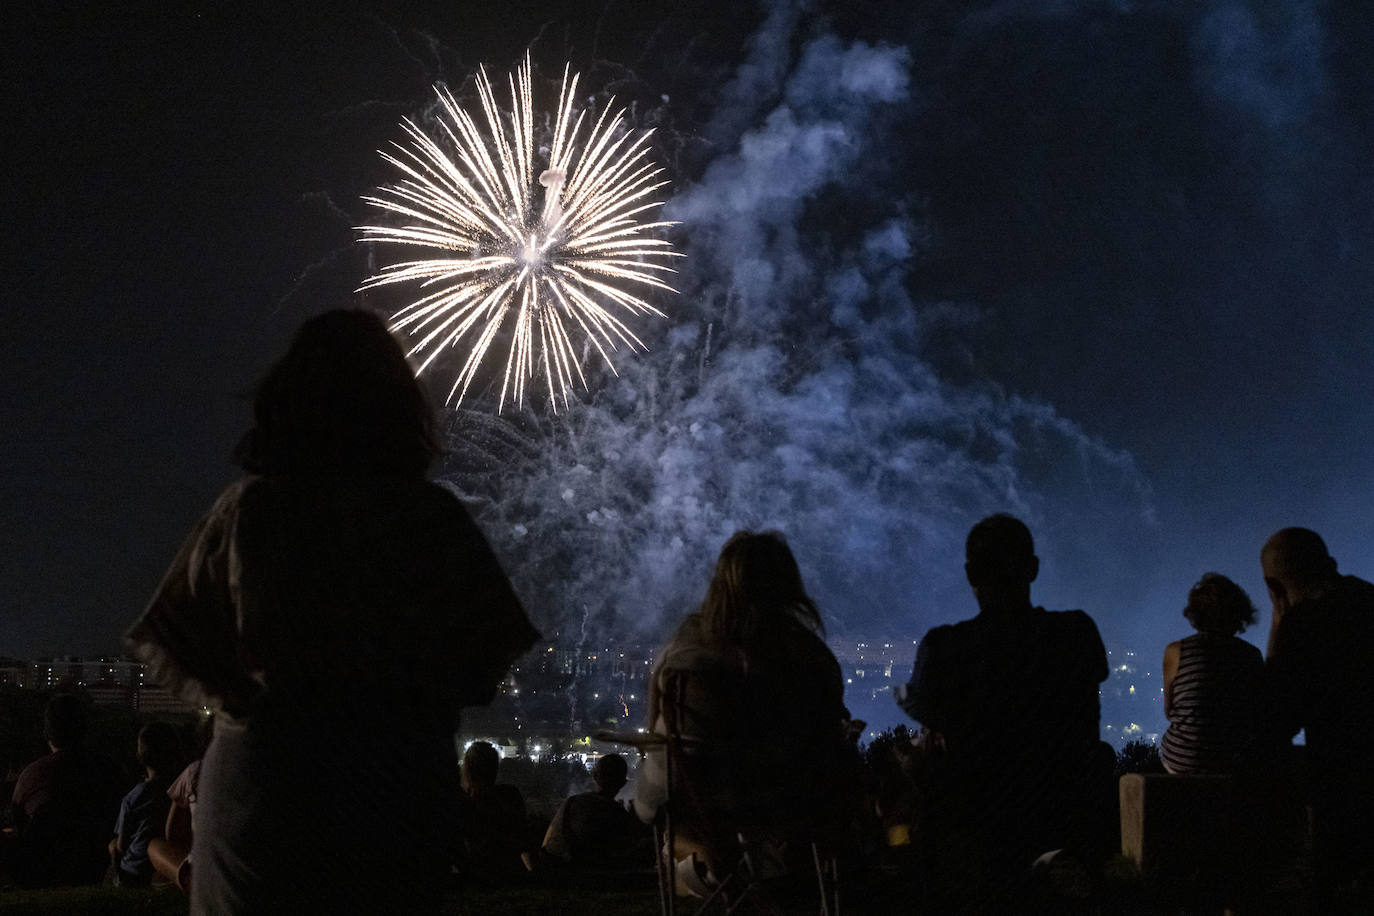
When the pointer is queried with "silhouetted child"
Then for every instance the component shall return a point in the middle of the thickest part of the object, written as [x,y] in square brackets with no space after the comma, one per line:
[494,839]
[592,828]
[62,804]
[143,812]
[1212,683]
[171,852]
[895,800]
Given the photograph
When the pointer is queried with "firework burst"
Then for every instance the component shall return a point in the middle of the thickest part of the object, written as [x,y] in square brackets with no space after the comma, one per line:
[543,255]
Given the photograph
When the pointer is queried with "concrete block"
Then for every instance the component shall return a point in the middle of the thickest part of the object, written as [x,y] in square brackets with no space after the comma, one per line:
[1176,827]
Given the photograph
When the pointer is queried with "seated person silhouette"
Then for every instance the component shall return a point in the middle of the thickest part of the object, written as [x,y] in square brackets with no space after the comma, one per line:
[1009,705]
[492,829]
[1212,684]
[171,851]
[1321,646]
[753,703]
[63,804]
[592,828]
[143,812]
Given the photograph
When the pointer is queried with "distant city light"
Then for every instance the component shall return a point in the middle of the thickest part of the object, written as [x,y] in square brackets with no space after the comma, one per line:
[1128,711]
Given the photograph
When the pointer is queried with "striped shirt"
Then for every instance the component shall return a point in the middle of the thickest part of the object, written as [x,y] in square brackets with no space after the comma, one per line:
[1216,704]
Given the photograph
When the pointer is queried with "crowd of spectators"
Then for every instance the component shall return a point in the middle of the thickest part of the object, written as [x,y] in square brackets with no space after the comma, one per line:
[335,562]
[749,707]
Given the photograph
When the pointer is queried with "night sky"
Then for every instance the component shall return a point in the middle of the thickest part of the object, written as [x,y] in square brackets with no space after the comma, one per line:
[1104,265]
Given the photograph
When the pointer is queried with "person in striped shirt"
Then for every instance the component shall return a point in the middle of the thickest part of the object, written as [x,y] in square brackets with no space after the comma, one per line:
[1213,683]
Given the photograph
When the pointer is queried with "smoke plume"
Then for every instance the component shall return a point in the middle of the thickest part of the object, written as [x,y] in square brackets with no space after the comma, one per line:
[791,390]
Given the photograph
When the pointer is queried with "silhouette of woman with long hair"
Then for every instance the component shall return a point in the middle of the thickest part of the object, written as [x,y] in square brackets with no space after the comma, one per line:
[336,610]
[755,699]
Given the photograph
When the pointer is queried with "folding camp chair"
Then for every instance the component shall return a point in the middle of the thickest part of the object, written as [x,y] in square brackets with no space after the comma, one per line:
[729,864]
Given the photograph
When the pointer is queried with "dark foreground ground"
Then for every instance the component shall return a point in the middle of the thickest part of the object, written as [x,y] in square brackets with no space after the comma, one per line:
[632,895]
[506,902]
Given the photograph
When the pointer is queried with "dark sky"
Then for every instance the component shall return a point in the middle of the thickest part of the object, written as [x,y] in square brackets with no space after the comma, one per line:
[174,187]
[1147,224]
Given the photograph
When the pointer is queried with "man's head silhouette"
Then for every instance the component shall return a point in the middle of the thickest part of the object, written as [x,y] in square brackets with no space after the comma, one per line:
[1000,562]
[610,774]
[1295,561]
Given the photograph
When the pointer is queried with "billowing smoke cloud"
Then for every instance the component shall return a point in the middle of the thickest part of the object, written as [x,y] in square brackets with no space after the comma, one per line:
[1264,61]
[791,392]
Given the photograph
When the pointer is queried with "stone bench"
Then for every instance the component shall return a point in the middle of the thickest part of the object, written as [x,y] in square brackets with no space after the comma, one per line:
[1176,828]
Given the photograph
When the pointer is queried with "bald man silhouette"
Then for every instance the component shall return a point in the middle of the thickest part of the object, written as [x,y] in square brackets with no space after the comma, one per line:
[1320,675]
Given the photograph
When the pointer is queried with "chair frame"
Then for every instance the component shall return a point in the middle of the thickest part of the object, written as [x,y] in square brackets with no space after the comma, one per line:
[675,747]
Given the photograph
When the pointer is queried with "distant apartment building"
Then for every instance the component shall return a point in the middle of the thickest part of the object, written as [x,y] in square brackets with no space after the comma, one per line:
[48,673]
[14,672]
[124,672]
[109,680]
[629,661]
[155,700]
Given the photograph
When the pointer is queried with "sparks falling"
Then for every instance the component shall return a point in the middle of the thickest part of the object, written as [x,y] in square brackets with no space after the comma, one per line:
[535,254]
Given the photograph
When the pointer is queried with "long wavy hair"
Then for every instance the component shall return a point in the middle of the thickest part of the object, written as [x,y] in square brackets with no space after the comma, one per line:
[342,401]
[757,587]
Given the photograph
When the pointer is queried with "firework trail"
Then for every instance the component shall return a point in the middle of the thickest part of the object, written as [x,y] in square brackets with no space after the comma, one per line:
[540,272]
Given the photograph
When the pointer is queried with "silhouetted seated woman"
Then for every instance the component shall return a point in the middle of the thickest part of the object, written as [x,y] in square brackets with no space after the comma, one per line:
[171,852]
[63,804]
[494,839]
[336,610]
[1212,683]
[143,812]
[754,700]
